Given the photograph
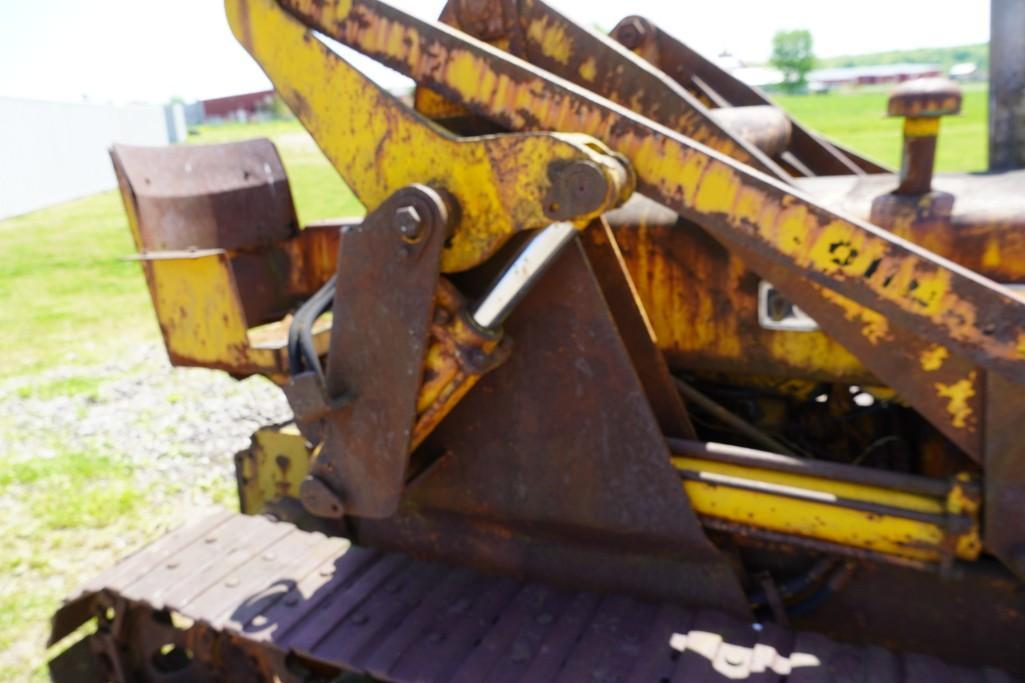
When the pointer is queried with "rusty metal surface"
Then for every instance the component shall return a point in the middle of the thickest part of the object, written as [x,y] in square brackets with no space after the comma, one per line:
[976,220]
[691,70]
[925,98]
[905,610]
[533,31]
[764,126]
[498,497]
[1007,85]
[333,608]
[635,329]
[460,352]
[834,472]
[224,196]
[719,332]
[943,386]
[910,286]
[221,251]
[1005,469]
[367,135]
[922,102]
[917,161]
[388,271]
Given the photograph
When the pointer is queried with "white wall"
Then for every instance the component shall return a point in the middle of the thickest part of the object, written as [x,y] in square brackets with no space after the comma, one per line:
[51,152]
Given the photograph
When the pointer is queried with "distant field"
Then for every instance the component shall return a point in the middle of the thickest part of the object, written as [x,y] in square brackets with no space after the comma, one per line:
[857,120]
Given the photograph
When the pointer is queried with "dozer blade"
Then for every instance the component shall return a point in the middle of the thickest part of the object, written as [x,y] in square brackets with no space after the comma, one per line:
[240,598]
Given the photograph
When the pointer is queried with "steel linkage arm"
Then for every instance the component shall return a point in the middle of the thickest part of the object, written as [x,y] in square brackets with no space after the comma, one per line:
[741,207]
[810,153]
[535,32]
[501,184]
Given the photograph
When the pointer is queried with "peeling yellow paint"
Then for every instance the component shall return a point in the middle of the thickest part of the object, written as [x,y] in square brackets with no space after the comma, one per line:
[991,254]
[793,229]
[932,358]
[718,191]
[958,396]
[589,69]
[553,40]
[921,127]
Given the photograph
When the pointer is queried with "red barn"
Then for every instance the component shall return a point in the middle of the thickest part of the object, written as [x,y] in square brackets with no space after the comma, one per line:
[238,105]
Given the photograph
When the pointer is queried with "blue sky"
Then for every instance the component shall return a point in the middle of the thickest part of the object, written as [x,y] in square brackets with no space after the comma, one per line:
[150,51]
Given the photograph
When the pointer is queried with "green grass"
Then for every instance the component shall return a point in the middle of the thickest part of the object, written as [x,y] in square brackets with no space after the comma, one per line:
[857,120]
[65,290]
[66,386]
[65,511]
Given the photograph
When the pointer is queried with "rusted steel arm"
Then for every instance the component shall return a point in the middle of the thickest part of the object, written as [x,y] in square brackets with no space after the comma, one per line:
[688,67]
[502,184]
[538,34]
[739,206]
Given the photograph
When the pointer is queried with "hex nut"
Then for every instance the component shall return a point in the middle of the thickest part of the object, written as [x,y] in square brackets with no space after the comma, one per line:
[409,222]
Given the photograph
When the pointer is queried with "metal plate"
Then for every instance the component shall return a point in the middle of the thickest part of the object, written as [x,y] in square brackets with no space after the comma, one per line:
[225,196]
[566,410]
[382,311]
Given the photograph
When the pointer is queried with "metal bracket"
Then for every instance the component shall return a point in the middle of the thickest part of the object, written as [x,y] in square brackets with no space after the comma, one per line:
[388,271]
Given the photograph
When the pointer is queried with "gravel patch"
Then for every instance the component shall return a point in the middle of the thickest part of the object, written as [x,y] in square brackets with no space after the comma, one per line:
[177,428]
[176,422]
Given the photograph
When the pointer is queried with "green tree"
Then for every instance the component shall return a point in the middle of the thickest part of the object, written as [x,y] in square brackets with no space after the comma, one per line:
[792,54]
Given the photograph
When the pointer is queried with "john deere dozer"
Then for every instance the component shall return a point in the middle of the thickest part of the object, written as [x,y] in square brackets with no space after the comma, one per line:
[624,376]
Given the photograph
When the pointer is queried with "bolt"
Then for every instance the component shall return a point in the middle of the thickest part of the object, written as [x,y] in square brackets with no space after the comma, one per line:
[631,33]
[578,188]
[483,19]
[922,103]
[410,224]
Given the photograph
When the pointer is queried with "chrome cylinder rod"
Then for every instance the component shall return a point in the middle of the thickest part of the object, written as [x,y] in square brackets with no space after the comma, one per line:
[528,266]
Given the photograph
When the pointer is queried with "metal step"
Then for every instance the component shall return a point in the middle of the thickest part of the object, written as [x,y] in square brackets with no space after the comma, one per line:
[283,593]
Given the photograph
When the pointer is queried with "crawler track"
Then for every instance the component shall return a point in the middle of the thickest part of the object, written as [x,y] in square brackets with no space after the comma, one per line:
[239,598]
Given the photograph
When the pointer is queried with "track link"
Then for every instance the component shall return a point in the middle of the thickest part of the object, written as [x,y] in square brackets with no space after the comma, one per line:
[241,598]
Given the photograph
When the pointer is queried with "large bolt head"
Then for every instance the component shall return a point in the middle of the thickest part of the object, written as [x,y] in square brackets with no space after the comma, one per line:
[578,188]
[409,223]
[925,98]
[483,19]
[631,32]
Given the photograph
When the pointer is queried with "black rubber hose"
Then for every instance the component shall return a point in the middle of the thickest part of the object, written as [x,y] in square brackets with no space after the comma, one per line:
[302,354]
